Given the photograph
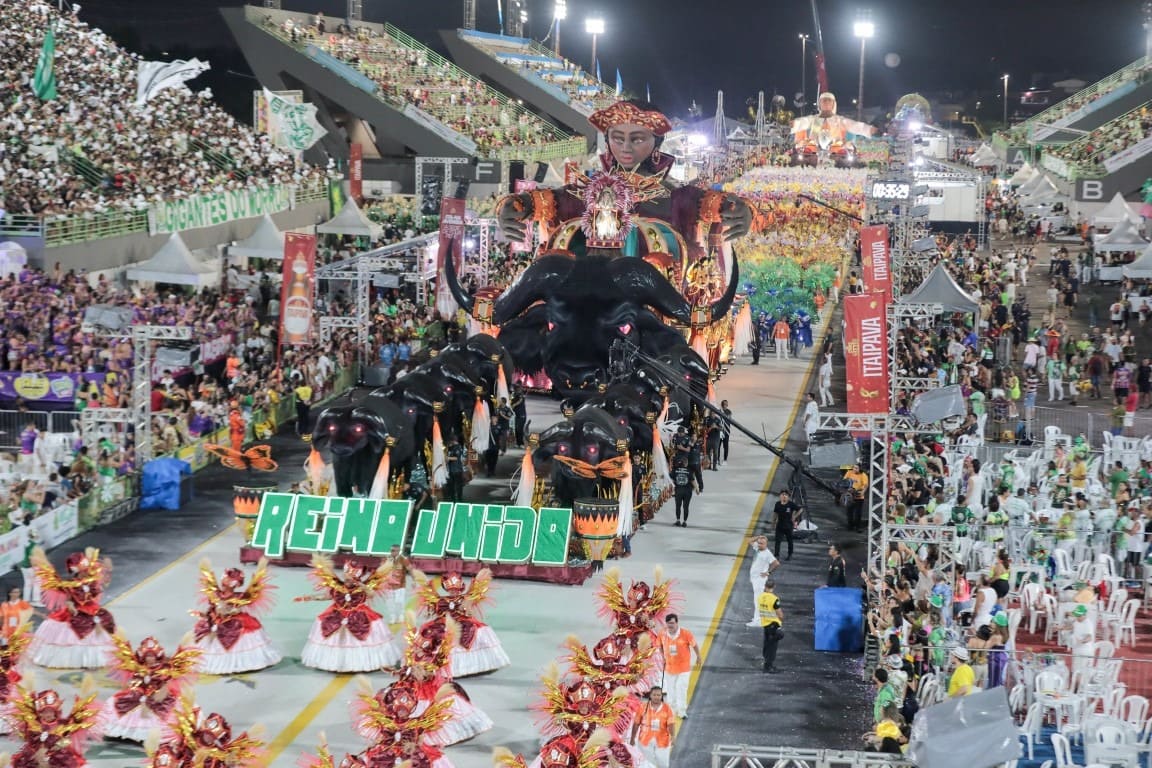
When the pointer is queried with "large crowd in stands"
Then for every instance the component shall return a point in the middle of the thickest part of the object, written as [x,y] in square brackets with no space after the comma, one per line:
[406,76]
[1109,139]
[134,156]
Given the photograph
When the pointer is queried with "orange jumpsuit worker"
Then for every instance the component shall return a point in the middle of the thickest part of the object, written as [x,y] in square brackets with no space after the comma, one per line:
[236,427]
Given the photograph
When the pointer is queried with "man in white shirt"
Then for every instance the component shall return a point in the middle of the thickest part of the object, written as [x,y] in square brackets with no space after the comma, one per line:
[763,564]
[826,381]
[811,416]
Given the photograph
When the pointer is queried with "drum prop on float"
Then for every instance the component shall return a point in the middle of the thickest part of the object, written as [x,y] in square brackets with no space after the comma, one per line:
[596,521]
[246,500]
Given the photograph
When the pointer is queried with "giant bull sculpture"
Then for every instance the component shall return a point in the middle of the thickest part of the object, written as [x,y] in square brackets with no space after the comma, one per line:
[355,437]
[562,315]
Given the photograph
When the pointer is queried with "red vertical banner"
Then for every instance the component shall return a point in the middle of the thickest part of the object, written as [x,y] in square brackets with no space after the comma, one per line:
[296,289]
[451,246]
[571,171]
[866,353]
[876,258]
[525,185]
[356,171]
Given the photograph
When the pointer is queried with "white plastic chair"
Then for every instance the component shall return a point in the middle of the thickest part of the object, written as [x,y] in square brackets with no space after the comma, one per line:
[1134,710]
[1015,616]
[1112,700]
[1127,622]
[1030,730]
[1051,619]
[1063,752]
[1032,601]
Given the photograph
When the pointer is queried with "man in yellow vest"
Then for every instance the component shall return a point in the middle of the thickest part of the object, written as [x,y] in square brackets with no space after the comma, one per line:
[772,621]
[303,392]
[656,728]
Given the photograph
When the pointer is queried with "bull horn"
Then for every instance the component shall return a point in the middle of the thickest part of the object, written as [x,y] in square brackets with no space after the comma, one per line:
[721,306]
[636,277]
[465,300]
[542,277]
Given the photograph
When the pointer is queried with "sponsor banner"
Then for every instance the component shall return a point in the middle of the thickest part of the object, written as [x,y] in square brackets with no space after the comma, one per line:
[213,208]
[57,525]
[1129,155]
[356,170]
[452,212]
[296,289]
[875,255]
[486,533]
[866,353]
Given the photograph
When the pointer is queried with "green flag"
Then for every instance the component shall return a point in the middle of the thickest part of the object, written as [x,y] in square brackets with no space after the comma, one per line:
[44,81]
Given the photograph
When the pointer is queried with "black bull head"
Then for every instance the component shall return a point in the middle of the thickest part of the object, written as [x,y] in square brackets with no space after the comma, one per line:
[562,314]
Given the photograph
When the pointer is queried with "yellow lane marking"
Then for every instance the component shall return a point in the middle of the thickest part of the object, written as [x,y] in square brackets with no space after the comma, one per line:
[182,559]
[292,731]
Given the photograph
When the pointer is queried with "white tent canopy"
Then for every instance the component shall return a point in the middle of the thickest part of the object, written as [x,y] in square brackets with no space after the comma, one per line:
[1125,236]
[350,221]
[984,156]
[1036,182]
[1047,193]
[1112,214]
[1023,175]
[266,242]
[174,263]
[13,258]
[1141,268]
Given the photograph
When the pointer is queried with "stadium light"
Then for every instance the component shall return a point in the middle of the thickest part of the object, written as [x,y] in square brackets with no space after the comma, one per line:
[863,29]
[594,25]
[559,13]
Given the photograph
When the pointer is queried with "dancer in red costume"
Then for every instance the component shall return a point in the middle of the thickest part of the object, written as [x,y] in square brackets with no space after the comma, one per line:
[11,649]
[190,740]
[638,612]
[563,752]
[78,632]
[612,665]
[479,649]
[228,633]
[152,683]
[426,670]
[349,636]
[50,738]
[389,718]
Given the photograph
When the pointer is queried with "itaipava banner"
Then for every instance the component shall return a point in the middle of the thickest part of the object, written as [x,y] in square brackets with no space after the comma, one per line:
[875,256]
[486,533]
[866,353]
[296,289]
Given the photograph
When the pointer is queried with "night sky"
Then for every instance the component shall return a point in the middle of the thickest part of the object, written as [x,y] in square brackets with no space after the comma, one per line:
[688,49]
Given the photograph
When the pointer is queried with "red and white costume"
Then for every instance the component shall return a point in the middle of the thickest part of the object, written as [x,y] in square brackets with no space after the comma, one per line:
[227,631]
[11,649]
[349,636]
[478,649]
[152,683]
[50,738]
[611,665]
[637,612]
[426,669]
[399,724]
[78,632]
[190,740]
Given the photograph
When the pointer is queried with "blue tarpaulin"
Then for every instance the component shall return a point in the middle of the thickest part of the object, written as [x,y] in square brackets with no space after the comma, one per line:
[160,485]
[840,619]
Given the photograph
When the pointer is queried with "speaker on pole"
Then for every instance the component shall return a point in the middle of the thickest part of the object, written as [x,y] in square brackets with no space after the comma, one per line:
[541,172]
[515,173]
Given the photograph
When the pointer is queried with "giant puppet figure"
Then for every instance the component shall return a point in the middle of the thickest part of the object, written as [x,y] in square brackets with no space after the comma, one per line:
[827,133]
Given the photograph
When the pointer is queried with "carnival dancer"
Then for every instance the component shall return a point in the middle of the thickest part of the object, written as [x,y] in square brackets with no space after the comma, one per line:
[479,648]
[12,647]
[398,724]
[638,612]
[565,752]
[427,669]
[577,707]
[227,631]
[191,740]
[78,631]
[51,738]
[151,684]
[612,664]
[349,636]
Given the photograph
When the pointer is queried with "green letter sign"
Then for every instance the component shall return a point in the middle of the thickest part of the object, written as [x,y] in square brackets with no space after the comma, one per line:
[487,533]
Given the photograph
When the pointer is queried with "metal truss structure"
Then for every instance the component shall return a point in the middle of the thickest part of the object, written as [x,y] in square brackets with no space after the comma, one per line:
[446,163]
[899,315]
[747,756]
[948,173]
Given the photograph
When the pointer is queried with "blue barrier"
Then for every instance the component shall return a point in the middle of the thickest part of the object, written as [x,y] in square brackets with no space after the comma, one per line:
[346,71]
[839,619]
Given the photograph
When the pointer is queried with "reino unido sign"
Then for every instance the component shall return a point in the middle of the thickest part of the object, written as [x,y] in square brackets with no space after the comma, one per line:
[487,533]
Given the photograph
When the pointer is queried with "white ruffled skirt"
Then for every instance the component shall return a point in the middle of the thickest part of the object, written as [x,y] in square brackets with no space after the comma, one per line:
[56,646]
[251,652]
[342,652]
[466,722]
[133,726]
[485,655]
[638,759]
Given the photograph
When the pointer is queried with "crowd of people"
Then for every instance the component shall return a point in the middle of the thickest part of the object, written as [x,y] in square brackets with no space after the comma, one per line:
[408,76]
[90,150]
[1107,140]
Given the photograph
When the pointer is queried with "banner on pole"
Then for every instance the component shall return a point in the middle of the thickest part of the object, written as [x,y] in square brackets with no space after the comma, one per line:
[866,353]
[356,171]
[152,77]
[451,247]
[296,124]
[296,289]
[875,255]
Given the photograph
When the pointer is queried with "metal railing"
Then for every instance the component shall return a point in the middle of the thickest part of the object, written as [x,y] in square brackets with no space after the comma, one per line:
[1071,421]
[752,756]
[12,423]
[1077,100]
[1090,166]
